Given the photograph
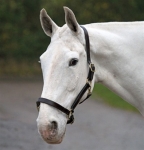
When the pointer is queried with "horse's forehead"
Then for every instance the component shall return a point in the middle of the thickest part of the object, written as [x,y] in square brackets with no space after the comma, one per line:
[63,42]
[64,30]
[65,36]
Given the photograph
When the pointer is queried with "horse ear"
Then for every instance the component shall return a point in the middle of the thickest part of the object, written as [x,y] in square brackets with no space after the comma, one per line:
[71,20]
[47,23]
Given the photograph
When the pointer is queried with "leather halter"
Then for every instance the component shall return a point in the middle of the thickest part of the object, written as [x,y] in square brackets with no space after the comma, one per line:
[86,87]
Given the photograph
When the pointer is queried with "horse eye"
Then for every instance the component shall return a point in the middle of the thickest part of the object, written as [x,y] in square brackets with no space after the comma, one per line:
[73,62]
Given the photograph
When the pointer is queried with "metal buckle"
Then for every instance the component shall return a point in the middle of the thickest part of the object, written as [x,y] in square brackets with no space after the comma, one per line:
[70,116]
[89,89]
[92,67]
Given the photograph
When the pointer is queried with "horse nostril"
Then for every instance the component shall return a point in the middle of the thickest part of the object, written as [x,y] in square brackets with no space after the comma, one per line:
[54,125]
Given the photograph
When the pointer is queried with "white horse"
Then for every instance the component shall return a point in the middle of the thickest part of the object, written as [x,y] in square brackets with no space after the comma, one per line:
[117,50]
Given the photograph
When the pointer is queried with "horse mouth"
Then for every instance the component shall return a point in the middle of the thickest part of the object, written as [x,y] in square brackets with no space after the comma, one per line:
[54,141]
[51,138]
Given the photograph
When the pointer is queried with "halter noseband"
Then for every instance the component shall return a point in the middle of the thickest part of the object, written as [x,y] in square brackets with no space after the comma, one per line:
[86,87]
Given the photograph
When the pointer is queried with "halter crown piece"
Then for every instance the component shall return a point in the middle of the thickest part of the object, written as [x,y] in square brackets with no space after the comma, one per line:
[86,87]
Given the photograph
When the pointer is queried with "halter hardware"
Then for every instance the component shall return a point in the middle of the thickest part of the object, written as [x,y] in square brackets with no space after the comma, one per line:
[70,117]
[86,87]
[92,67]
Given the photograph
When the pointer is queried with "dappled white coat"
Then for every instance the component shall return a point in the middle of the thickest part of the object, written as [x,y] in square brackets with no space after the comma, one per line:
[117,50]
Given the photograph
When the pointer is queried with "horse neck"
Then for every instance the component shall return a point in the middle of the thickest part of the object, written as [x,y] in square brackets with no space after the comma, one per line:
[113,46]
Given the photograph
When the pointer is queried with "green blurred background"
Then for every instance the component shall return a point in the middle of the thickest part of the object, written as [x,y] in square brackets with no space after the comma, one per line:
[22,40]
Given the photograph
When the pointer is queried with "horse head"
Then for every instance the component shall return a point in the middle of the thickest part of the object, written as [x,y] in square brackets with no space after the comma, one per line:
[64,67]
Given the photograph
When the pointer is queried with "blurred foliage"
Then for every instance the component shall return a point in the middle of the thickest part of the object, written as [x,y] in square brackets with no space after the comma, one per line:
[20,33]
[21,36]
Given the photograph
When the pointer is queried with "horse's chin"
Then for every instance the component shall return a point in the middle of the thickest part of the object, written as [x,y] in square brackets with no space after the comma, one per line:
[54,141]
[50,138]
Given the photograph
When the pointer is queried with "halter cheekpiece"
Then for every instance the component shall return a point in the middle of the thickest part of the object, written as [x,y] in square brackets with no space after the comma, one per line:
[86,87]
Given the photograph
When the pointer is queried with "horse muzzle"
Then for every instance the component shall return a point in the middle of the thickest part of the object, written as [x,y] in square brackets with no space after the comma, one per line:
[50,133]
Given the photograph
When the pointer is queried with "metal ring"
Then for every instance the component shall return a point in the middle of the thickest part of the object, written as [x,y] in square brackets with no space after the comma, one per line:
[70,114]
[92,67]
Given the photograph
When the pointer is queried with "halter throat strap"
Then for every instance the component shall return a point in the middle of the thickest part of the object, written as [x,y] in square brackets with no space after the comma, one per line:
[86,87]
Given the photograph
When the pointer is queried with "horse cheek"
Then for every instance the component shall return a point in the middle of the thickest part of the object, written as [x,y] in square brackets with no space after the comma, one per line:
[72,83]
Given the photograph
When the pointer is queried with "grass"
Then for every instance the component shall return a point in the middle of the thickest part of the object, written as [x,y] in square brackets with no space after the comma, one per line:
[111,98]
